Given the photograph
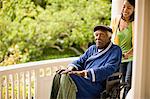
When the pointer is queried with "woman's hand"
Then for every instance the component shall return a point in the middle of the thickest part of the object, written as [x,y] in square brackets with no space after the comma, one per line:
[128,54]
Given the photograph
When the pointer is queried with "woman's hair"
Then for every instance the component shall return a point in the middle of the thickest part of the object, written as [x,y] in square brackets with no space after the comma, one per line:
[132,2]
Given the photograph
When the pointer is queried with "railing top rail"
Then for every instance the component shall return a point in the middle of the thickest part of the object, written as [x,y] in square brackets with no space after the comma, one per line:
[35,64]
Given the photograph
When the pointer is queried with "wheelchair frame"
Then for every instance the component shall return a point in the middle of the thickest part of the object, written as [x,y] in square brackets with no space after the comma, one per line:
[113,87]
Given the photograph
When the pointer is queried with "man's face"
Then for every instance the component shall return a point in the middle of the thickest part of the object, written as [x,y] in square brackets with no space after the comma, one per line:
[101,38]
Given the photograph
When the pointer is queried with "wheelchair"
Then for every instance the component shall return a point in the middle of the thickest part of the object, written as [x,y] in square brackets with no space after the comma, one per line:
[113,86]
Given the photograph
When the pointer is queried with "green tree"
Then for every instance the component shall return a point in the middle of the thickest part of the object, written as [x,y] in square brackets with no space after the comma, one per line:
[43,27]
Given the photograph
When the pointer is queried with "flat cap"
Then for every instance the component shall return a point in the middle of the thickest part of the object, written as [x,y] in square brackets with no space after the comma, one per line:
[102,27]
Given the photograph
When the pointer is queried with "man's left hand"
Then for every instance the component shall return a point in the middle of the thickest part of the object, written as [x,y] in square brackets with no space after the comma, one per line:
[82,73]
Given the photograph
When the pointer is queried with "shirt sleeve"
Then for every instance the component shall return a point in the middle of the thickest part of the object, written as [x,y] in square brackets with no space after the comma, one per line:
[114,23]
[102,72]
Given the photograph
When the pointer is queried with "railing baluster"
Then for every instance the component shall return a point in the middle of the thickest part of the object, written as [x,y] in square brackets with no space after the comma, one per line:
[7,94]
[1,89]
[34,96]
[29,85]
[36,84]
[18,86]
[24,85]
[12,86]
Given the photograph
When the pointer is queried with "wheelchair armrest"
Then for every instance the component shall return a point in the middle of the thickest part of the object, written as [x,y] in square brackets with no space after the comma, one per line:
[113,80]
[116,74]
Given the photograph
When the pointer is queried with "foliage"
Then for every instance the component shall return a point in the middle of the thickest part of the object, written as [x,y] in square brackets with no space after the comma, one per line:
[39,26]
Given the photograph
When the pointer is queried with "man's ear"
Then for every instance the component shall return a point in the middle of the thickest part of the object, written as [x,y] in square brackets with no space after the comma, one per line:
[110,38]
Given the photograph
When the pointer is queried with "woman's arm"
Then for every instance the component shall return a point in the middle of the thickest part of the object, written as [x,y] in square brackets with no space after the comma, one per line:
[128,54]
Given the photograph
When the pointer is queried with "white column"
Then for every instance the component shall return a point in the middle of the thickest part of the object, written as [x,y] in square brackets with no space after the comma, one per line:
[116,8]
[141,63]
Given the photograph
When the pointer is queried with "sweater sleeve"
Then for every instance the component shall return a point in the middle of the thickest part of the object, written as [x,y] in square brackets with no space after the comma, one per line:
[79,64]
[112,65]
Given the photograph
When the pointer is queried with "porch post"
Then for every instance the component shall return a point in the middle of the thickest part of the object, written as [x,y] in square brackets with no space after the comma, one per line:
[116,8]
[141,62]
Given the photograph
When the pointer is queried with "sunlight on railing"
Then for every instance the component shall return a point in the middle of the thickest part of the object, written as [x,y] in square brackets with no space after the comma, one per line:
[30,80]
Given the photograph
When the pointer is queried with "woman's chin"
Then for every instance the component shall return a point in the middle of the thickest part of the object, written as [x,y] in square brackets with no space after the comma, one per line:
[126,16]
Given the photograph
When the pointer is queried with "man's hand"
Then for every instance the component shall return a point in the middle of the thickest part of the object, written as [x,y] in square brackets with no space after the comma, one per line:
[82,73]
[65,71]
[60,70]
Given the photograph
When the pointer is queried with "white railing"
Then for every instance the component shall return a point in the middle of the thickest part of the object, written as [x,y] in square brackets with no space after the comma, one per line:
[30,80]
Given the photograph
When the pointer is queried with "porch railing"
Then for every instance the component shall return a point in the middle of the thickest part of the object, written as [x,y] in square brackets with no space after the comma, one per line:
[30,80]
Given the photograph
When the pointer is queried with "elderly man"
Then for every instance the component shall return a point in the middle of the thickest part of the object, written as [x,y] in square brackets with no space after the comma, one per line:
[83,79]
